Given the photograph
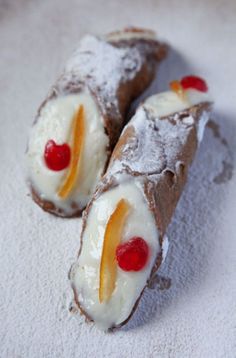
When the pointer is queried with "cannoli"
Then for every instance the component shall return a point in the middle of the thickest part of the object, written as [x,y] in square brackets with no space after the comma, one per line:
[124,225]
[80,121]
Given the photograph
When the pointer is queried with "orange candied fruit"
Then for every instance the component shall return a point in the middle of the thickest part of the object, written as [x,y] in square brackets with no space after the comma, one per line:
[112,238]
[78,134]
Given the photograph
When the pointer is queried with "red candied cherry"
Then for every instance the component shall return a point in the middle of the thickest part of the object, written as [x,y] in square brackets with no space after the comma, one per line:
[194,82]
[133,254]
[57,157]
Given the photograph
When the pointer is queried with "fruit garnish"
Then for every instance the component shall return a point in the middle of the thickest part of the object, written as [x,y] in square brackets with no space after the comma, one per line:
[78,134]
[176,87]
[56,156]
[133,254]
[112,238]
[194,82]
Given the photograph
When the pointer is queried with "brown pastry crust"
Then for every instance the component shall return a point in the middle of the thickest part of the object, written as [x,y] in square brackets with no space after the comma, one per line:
[163,185]
[151,53]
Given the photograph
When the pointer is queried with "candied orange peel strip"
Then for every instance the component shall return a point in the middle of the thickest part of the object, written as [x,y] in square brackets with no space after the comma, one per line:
[176,87]
[112,238]
[78,135]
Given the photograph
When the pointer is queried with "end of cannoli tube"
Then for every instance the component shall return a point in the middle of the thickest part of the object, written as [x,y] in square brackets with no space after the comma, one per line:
[129,33]
[136,29]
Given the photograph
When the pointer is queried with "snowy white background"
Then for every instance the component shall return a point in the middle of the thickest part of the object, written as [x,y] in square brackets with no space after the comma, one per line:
[196,316]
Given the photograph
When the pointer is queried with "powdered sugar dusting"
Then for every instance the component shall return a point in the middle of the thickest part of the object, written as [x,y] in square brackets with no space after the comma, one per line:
[141,152]
[196,316]
[104,66]
[155,145]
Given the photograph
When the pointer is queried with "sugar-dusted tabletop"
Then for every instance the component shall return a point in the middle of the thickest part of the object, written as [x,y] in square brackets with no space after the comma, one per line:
[196,315]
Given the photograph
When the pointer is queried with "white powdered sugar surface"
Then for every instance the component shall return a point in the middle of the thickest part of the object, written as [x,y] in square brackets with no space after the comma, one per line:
[196,316]
[104,66]
[157,142]
[139,155]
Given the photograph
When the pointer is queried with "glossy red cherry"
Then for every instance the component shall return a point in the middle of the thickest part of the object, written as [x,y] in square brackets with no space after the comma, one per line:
[57,157]
[194,82]
[133,254]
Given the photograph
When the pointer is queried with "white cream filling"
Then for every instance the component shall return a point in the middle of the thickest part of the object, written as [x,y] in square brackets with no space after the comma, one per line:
[166,103]
[129,35]
[55,123]
[129,285]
